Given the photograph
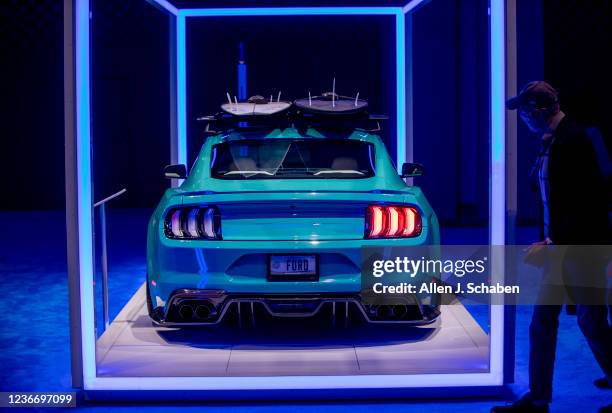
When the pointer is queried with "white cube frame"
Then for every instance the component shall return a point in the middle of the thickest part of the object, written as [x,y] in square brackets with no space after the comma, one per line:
[79,198]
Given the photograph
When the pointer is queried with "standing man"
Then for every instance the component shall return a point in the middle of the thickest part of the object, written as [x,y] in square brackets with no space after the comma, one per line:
[574,212]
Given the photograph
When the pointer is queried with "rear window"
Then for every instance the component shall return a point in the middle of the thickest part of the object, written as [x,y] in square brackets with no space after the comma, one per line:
[292,158]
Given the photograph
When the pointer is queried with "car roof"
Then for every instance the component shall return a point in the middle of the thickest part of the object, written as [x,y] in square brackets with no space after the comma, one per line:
[293,133]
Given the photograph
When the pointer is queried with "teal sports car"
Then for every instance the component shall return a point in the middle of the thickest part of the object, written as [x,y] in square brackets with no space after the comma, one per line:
[272,219]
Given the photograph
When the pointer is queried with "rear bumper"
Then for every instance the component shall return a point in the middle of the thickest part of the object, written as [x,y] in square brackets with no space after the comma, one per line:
[210,307]
[241,267]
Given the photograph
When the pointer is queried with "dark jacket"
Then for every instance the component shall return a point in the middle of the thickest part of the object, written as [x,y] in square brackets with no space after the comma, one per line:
[577,194]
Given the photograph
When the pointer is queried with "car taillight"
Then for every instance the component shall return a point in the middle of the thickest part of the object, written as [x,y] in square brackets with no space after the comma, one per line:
[193,223]
[392,221]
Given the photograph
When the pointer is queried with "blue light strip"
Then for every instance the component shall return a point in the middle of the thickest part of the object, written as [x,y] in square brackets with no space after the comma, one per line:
[297,11]
[498,175]
[400,70]
[411,6]
[289,11]
[91,382]
[358,381]
[84,190]
[166,5]
[181,91]
[498,122]
[498,88]
[408,141]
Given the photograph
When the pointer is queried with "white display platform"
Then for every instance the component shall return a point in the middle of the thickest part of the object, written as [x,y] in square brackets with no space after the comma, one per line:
[133,347]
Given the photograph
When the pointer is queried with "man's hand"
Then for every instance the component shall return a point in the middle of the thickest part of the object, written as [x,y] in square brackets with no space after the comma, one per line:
[536,253]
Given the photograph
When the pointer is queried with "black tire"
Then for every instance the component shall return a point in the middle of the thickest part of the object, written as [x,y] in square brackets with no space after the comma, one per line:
[149,303]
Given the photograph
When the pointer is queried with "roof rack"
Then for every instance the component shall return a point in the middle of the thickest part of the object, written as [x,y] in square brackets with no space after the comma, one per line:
[329,110]
[223,121]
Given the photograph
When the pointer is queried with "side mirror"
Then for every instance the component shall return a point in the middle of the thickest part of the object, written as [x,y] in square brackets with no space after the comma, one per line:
[411,170]
[175,171]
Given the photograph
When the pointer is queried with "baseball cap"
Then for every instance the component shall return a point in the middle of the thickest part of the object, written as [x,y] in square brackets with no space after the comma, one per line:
[537,93]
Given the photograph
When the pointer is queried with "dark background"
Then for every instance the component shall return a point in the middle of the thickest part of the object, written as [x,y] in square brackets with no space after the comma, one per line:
[566,42]
[292,55]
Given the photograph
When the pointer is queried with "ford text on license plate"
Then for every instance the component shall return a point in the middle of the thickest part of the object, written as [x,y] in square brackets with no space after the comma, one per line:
[292,268]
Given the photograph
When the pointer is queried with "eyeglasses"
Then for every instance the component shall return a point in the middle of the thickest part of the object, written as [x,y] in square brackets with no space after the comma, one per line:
[527,109]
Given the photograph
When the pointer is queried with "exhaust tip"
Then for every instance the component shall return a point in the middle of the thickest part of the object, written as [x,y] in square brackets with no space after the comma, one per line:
[390,312]
[400,311]
[186,312]
[383,311]
[205,310]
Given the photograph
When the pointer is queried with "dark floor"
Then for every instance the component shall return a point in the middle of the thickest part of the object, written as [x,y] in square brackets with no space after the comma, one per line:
[34,338]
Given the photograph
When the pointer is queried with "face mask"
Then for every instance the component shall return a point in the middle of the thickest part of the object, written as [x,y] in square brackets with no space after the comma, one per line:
[535,121]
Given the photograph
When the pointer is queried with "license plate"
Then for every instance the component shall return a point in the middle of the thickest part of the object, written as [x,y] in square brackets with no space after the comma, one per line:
[292,267]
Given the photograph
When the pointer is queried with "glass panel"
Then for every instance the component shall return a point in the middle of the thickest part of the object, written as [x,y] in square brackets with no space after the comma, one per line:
[130,101]
[292,158]
[452,140]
